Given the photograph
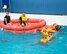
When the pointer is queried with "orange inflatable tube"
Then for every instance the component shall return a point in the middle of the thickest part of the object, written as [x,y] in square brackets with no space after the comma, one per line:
[31,26]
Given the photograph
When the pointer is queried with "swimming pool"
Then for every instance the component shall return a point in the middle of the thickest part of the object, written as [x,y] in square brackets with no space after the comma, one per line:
[29,43]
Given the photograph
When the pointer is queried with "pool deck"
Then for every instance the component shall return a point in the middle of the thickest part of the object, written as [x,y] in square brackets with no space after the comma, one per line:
[50,19]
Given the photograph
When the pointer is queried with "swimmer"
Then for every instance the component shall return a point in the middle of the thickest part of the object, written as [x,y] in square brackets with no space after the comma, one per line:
[46,38]
[57,27]
[47,31]
[7,19]
[23,19]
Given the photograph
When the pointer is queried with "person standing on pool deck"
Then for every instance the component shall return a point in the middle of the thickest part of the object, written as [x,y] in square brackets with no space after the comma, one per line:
[23,19]
[7,18]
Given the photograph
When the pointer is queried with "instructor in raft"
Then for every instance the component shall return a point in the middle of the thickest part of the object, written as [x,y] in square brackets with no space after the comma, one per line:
[23,19]
[7,18]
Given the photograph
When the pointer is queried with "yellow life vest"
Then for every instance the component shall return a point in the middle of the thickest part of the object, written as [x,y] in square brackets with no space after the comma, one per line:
[24,18]
[55,24]
[44,40]
[49,38]
[47,31]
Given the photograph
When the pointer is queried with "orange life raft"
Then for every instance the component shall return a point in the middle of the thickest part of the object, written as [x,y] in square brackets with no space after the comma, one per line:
[31,26]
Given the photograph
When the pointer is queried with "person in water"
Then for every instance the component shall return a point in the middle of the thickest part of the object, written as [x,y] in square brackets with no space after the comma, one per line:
[45,31]
[57,27]
[47,38]
[7,18]
[23,19]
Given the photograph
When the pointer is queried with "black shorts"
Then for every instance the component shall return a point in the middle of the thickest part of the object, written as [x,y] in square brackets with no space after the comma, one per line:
[7,19]
[6,22]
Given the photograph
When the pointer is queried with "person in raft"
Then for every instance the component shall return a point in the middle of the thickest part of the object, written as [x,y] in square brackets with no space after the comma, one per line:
[23,19]
[7,19]
[57,27]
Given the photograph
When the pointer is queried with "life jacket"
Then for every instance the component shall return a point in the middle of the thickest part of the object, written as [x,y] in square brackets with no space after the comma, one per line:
[24,18]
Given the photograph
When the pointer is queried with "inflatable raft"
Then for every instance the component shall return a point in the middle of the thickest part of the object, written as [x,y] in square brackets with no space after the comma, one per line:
[31,26]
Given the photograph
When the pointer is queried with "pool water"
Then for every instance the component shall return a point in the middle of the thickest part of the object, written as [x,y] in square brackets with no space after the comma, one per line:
[29,43]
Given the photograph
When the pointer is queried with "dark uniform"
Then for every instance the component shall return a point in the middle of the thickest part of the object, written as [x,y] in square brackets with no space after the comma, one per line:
[6,20]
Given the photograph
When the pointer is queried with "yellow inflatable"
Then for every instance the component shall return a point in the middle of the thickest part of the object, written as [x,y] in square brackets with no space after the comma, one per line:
[46,39]
[47,31]
[24,18]
[49,37]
